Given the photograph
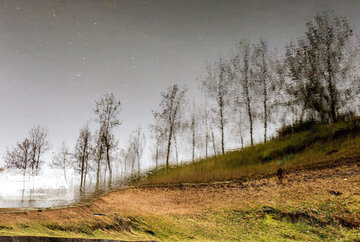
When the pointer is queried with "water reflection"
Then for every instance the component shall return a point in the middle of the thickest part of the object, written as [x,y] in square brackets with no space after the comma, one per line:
[46,189]
[49,188]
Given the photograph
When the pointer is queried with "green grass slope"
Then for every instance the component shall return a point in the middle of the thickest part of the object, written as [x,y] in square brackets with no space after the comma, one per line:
[320,145]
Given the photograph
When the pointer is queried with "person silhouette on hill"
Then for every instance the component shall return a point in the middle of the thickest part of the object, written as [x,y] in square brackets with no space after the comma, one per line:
[280,175]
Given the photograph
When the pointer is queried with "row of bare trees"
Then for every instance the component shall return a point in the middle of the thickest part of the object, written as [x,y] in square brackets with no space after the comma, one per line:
[314,79]
[94,152]
[27,154]
[249,93]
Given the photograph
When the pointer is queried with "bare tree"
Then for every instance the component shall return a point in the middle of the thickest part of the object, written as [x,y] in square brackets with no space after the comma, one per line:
[241,74]
[39,145]
[205,119]
[192,125]
[169,112]
[238,118]
[138,143]
[82,152]
[98,151]
[261,75]
[107,115]
[19,157]
[27,154]
[268,82]
[62,158]
[158,135]
[175,144]
[217,86]
[135,149]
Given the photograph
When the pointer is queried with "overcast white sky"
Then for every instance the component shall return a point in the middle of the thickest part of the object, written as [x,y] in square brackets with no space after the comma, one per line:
[58,56]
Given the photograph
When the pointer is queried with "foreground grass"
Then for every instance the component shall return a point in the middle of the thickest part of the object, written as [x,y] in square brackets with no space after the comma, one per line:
[313,222]
[321,145]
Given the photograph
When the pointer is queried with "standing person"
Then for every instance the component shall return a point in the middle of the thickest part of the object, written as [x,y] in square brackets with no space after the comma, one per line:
[280,175]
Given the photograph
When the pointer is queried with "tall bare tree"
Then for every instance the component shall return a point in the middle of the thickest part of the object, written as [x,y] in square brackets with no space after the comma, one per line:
[138,143]
[134,151]
[238,118]
[192,125]
[62,159]
[39,145]
[241,75]
[169,113]
[107,112]
[98,151]
[217,86]
[267,82]
[82,153]
[205,119]
[158,135]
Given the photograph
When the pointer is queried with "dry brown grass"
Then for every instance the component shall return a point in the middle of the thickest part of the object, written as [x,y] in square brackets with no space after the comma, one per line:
[197,198]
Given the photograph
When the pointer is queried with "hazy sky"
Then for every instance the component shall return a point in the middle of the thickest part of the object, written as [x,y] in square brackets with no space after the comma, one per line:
[58,56]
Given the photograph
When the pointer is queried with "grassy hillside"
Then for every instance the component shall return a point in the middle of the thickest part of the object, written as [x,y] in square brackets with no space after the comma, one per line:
[320,145]
[313,205]
[310,205]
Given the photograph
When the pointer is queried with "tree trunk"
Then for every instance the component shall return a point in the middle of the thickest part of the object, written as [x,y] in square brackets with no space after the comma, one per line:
[250,117]
[99,158]
[109,165]
[247,95]
[206,142]
[157,155]
[207,132]
[82,175]
[213,142]
[132,166]
[138,162]
[222,131]
[168,148]
[105,173]
[241,136]
[98,170]
[265,111]
[331,91]
[85,175]
[246,85]
[193,146]
[176,150]
[221,109]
